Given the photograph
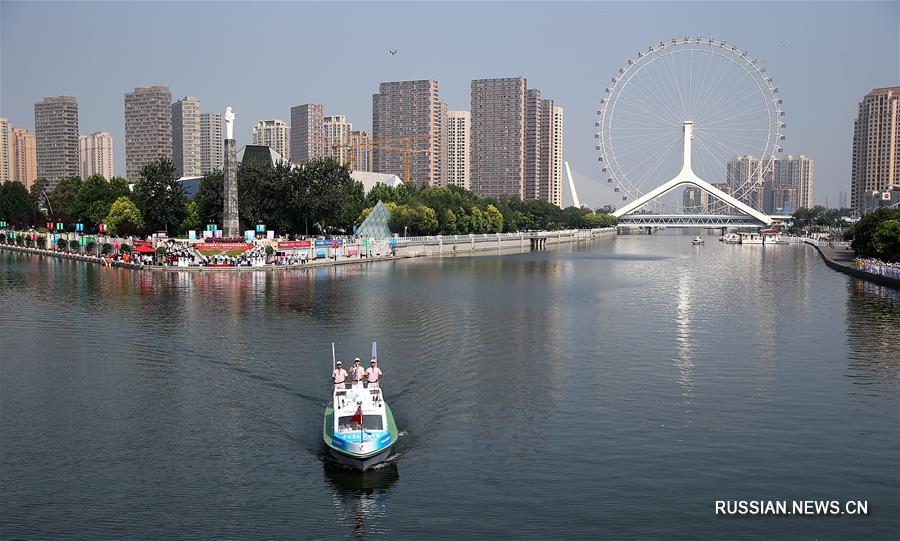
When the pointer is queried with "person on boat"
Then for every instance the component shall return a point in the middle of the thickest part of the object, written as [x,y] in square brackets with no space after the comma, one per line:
[357,373]
[339,375]
[373,374]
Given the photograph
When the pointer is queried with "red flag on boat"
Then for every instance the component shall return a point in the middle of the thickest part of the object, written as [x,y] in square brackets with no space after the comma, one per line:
[358,416]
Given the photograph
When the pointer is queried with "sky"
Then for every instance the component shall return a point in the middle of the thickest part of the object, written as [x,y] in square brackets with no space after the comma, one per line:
[262,58]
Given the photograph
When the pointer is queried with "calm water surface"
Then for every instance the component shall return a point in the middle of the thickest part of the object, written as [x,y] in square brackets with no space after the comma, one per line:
[612,390]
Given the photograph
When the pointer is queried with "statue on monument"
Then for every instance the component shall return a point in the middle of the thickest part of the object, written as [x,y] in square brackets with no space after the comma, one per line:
[229,123]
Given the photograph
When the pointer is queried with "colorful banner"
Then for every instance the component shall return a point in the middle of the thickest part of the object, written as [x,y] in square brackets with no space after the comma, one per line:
[219,246]
[323,243]
[293,244]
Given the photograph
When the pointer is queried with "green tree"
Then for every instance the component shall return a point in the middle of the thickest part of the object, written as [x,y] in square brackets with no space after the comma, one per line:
[16,204]
[160,198]
[887,240]
[210,198]
[863,232]
[95,196]
[493,220]
[63,200]
[124,218]
[448,222]
[333,200]
[192,220]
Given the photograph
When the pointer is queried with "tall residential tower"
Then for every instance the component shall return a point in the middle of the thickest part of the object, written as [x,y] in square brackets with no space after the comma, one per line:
[409,127]
[211,154]
[459,127]
[307,132]
[186,145]
[275,134]
[96,154]
[24,156]
[148,128]
[497,159]
[56,131]
[876,138]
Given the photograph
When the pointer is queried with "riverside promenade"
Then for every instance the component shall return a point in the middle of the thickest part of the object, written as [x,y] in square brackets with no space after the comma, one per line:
[842,258]
[403,248]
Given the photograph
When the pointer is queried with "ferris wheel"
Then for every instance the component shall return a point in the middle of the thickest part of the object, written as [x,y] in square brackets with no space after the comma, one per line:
[724,91]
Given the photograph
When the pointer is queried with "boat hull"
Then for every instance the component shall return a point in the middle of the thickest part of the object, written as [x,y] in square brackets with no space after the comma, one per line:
[358,462]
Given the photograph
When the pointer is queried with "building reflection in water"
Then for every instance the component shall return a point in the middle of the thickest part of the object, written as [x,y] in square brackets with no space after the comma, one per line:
[361,498]
[873,337]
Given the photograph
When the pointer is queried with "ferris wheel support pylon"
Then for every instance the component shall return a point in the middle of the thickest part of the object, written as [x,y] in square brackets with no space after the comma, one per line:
[687,176]
[575,201]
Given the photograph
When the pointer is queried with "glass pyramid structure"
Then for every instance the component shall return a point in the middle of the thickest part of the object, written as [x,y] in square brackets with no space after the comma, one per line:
[375,226]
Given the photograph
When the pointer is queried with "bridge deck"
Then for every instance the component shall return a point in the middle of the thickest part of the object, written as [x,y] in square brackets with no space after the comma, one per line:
[688,220]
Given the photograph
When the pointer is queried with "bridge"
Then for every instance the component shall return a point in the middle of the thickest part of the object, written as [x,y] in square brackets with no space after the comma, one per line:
[631,216]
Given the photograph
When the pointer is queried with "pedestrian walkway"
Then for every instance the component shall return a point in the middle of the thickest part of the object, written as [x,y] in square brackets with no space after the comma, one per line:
[844,260]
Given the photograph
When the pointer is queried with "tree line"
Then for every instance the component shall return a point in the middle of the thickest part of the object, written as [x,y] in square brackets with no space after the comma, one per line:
[877,235]
[319,197]
[452,210]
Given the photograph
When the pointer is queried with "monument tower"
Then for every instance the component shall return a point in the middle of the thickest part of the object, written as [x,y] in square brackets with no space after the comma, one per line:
[230,226]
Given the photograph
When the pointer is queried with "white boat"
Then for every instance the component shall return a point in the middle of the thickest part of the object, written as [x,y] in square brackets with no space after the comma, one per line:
[697,241]
[732,238]
[751,238]
[359,429]
[765,238]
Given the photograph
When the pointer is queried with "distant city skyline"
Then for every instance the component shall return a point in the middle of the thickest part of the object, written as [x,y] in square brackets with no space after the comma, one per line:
[818,69]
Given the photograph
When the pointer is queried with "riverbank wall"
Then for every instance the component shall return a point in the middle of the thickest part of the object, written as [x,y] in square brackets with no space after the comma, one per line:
[401,248]
[842,261]
[450,245]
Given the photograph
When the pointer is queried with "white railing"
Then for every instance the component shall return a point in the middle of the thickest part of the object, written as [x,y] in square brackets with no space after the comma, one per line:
[494,237]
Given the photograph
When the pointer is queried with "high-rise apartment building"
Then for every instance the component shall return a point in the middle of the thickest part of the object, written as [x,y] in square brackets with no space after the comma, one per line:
[212,156]
[96,154]
[307,132]
[554,150]
[694,200]
[459,127]
[148,128]
[791,185]
[24,156]
[409,127]
[534,121]
[876,145]
[497,151]
[746,179]
[186,135]
[362,150]
[6,151]
[337,138]
[275,134]
[56,132]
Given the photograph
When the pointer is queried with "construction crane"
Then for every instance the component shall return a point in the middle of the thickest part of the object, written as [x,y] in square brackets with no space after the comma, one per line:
[402,144]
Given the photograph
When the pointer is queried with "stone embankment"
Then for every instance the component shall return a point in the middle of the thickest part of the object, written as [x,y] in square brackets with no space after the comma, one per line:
[404,248]
[841,260]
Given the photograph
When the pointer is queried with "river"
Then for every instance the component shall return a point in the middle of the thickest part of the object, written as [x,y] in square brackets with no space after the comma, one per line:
[614,389]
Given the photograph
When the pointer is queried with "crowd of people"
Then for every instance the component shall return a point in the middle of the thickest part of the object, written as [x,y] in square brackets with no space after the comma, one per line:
[881,268]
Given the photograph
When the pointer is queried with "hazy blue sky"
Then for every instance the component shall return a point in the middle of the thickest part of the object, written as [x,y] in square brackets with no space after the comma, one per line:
[262,58]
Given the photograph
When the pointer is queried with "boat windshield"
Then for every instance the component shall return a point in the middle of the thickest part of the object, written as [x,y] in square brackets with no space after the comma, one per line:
[370,422]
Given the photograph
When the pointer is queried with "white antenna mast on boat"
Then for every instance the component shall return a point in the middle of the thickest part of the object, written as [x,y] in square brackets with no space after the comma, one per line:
[575,201]
[333,358]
